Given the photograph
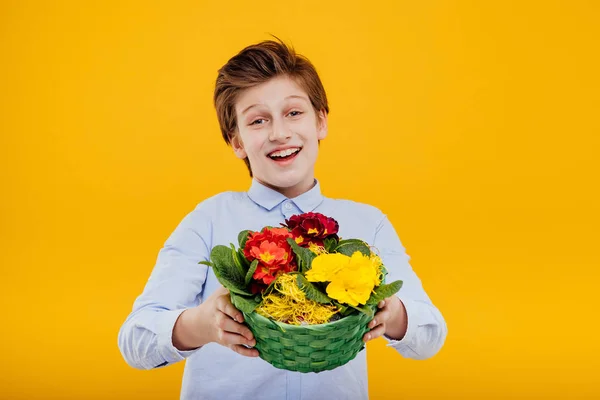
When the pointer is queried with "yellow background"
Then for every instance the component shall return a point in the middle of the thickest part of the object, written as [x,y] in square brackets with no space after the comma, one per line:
[474,125]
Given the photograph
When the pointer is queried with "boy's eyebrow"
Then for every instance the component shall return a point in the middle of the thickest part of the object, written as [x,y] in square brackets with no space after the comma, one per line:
[296,96]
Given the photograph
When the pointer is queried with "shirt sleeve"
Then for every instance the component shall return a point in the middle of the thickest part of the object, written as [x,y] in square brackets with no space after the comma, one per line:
[175,284]
[427,328]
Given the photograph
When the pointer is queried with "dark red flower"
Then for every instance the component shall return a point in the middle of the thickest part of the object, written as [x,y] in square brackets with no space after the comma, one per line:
[312,228]
[257,287]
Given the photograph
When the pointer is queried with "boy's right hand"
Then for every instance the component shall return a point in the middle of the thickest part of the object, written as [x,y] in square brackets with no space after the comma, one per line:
[215,320]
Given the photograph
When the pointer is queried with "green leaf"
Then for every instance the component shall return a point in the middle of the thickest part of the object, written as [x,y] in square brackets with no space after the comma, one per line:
[243,259]
[311,291]
[251,271]
[231,285]
[344,309]
[238,263]
[330,244]
[365,309]
[384,291]
[305,256]
[244,304]
[242,238]
[226,271]
[350,246]
[206,263]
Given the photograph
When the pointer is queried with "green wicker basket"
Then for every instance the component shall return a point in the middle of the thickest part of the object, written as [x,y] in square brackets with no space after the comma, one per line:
[308,348]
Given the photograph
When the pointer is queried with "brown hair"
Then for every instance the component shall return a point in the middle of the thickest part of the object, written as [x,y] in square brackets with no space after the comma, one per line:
[257,64]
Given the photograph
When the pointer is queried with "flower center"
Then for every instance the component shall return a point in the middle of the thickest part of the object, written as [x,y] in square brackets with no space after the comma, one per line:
[266,257]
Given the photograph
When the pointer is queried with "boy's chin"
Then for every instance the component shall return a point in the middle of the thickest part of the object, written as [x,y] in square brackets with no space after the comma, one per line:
[285,182]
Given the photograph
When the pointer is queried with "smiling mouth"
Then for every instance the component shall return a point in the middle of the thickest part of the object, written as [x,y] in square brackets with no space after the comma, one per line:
[284,154]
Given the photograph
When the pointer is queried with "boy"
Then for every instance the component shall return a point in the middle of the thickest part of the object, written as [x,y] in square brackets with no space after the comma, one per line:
[272,110]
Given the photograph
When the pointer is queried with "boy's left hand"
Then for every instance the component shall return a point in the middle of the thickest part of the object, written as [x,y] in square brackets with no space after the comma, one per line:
[390,319]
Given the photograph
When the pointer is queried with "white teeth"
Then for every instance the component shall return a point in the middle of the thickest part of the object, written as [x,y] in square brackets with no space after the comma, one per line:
[284,153]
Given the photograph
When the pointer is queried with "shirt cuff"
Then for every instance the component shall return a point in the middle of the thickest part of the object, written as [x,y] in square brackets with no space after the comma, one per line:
[167,353]
[406,345]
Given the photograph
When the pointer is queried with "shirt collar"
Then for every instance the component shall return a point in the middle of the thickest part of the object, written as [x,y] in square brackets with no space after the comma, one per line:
[269,198]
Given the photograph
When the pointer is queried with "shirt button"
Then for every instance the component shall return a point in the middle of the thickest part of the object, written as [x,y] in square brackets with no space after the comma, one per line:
[288,206]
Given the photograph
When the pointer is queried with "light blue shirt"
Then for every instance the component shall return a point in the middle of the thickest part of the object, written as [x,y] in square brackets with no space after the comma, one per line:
[178,282]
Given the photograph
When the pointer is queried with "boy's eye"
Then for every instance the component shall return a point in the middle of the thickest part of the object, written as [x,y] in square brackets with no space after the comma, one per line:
[295,113]
[257,121]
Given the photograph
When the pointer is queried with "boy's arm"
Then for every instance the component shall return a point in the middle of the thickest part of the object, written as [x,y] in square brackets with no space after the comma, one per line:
[175,284]
[426,329]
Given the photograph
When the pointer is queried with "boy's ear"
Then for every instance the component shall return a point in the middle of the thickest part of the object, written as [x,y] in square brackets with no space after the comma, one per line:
[322,125]
[238,146]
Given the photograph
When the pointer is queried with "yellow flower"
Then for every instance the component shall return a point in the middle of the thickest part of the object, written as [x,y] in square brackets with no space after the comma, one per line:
[352,279]
[367,266]
[351,288]
[353,285]
[376,263]
[325,266]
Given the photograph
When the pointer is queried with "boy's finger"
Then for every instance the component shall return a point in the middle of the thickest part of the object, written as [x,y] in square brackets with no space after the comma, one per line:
[228,325]
[380,318]
[374,322]
[374,333]
[244,351]
[232,339]
[227,308]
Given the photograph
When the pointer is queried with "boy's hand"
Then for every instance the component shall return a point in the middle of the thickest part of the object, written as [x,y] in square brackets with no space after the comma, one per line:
[391,320]
[215,320]
[226,322]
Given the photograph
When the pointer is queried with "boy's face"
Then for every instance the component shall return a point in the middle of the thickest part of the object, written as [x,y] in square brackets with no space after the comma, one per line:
[279,130]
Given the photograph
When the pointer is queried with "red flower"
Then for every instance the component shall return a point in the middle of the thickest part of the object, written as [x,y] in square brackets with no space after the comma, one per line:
[273,252]
[312,228]
[264,273]
[270,254]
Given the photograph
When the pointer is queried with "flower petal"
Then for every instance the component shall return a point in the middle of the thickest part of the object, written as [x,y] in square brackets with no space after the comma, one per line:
[325,266]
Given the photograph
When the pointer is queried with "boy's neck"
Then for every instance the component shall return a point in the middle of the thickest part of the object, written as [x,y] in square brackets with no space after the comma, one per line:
[294,191]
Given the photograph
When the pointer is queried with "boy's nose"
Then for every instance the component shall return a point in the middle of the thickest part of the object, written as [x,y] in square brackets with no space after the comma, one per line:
[279,132]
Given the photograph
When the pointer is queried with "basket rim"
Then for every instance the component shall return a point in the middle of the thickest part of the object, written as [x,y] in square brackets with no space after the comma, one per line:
[340,321]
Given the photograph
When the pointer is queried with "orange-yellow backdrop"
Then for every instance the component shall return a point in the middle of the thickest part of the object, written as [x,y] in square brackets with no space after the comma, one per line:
[473,125]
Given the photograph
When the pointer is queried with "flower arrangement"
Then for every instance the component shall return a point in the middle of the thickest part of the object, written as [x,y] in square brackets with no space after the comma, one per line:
[307,295]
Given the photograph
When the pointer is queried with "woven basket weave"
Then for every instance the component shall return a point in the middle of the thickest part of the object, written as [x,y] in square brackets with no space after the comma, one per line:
[308,348]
